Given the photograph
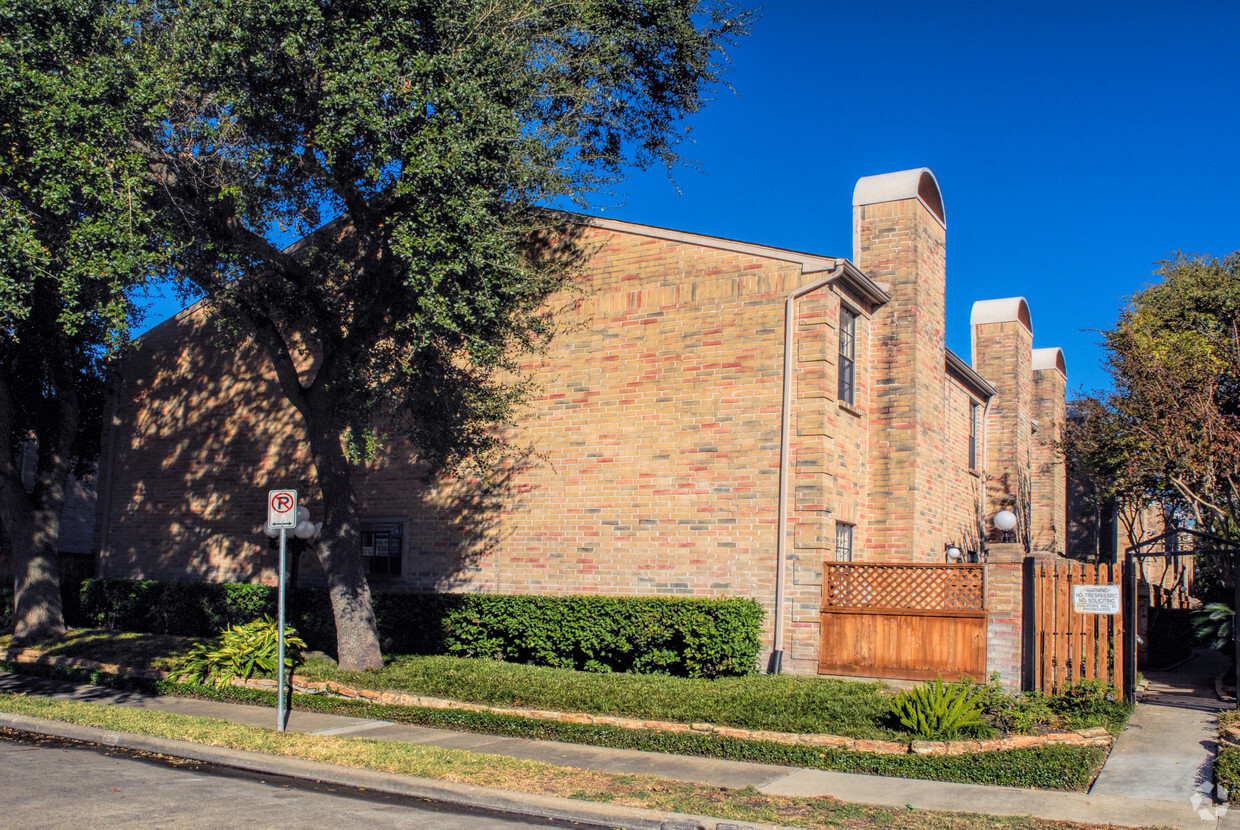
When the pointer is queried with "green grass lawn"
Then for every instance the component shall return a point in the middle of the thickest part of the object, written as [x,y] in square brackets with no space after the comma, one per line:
[515,774]
[783,703]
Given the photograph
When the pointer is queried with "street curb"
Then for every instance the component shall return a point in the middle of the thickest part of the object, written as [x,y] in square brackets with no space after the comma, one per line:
[530,805]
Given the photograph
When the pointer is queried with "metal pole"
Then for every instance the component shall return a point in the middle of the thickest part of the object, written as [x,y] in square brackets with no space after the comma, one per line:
[280,640]
[1235,610]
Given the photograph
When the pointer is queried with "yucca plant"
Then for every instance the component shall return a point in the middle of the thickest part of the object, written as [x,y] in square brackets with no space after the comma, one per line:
[939,711]
[240,652]
[1212,625]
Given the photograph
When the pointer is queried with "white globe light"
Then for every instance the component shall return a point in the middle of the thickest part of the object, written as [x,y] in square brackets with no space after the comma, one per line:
[270,531]
[954,554]
[303,514]
[1005,520]
[304,529]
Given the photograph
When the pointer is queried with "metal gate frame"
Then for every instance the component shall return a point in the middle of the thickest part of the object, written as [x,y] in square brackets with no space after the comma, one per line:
[1207,543]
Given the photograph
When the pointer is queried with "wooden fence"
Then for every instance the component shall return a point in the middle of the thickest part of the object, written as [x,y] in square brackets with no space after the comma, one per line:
[903,621]
[1075,643]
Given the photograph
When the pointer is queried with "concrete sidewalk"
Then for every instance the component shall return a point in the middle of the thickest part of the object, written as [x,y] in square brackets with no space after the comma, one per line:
[1130,806]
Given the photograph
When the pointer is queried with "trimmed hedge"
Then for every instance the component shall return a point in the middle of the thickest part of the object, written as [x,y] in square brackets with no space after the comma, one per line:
[682,636]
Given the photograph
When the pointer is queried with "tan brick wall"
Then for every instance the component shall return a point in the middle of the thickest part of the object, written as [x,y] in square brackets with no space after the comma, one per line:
[1050,482]
[1002,355]
[655,434]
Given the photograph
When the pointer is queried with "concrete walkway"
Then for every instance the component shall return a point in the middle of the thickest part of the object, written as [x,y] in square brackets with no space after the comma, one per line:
[1127,799]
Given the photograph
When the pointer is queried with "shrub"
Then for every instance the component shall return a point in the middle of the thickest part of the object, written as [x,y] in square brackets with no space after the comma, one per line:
[940,711]
[1212,625]
[6,608]
[1087,703]
[239,652]
[187,609]
[1019,714]
[670,635]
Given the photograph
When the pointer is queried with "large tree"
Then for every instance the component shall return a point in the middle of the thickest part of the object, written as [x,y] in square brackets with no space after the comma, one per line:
[74,242]
[1171,428]
[413,144]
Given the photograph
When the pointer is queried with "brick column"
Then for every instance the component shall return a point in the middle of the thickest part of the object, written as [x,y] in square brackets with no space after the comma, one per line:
[1050,483]
[1005,588]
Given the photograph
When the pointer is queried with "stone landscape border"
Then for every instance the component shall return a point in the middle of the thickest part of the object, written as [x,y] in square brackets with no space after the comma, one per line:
[1094,736]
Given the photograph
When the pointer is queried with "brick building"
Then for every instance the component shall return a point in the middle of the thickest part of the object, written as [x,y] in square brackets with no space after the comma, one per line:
[718,418]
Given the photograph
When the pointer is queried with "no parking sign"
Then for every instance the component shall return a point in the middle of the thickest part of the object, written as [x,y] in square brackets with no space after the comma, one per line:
[282,509]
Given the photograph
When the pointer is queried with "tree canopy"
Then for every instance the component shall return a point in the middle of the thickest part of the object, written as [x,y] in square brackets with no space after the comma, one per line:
[414,148]
[1170,430]
[75,239]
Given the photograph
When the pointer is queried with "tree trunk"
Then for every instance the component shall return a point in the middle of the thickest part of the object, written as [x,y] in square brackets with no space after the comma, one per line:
[38,613]
[340,550]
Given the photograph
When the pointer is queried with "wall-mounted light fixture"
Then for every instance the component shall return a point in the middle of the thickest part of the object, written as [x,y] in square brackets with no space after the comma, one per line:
[954,555]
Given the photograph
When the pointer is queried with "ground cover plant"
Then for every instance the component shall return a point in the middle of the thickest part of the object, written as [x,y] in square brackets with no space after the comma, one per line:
[1048,767]
[1227,763]
[488,770]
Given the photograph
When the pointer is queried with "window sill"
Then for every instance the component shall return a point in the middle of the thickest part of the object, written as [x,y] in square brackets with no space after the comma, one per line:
[850,409]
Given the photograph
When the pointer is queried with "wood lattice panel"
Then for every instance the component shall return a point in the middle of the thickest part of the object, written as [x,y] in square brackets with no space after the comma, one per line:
[910,588]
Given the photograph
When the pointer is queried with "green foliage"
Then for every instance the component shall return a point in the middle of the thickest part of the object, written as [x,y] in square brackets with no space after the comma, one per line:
[188,609]
[1048,767]
[1212,625]
[1088,703]
[1227,761]
[240,652]
[1020,714]
[939,711]
[1174,356]
[671,635]
[690,637]
[6,607]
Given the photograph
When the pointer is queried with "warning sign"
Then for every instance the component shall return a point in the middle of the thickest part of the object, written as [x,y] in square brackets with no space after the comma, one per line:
[1095,599]
[282,509]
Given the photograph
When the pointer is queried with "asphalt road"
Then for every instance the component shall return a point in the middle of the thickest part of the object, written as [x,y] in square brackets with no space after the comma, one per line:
[51,783]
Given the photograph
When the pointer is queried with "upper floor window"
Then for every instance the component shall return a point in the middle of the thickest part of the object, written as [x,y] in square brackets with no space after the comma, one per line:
[975,415]
[843,542]
[848,356]
[382,548]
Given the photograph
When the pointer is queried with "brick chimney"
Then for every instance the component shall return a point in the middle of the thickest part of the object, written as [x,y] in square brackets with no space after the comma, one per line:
[1002,354]
[899,236]
[1050,494]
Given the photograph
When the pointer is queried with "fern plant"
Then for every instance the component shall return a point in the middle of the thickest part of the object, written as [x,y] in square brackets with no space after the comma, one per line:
[1212,625]
[939,711]
[240,652]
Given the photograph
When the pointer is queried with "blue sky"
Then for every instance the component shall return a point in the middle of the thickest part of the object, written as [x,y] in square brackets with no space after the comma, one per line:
[1075,144]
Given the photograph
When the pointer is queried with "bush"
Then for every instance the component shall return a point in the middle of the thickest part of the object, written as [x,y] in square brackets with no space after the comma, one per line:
[1089,703]
[186,609]
[671,635]
[6,609]
[239,652]
[940,711]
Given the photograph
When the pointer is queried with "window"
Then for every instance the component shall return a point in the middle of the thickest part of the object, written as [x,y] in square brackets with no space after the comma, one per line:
[382,548]
[843,542]
[975,414]
[848,355]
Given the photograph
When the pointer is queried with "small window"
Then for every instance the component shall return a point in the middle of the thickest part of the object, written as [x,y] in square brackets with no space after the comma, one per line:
[382,548]
[848,355]
[975,414]
[843,542]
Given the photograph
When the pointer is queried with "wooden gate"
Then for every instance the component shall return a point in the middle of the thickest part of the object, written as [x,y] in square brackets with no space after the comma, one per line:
[1075,643]
[904,621]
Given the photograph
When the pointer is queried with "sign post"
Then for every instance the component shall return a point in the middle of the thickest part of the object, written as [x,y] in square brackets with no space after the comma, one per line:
[282,516]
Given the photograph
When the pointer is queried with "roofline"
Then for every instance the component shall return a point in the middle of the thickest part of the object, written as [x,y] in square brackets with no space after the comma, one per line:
[965,372]
[850,274]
